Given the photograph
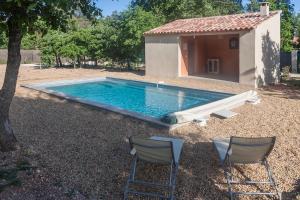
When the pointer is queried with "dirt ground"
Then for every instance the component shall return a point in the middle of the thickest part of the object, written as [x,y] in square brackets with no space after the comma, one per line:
[79,152]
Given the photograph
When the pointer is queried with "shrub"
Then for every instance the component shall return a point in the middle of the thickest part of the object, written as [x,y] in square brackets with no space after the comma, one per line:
[286,72]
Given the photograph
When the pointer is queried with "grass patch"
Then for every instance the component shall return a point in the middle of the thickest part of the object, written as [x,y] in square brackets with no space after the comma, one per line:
[9,177]
[294,82]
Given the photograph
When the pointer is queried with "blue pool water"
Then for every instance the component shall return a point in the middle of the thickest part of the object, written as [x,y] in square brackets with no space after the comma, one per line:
[143,98]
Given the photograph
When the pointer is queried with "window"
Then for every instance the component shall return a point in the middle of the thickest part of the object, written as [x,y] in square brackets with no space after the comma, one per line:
[234,43]
[213,66]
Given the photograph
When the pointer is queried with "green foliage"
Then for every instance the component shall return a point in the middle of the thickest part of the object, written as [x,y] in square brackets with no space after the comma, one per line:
[50,46]
[76,45]
[71,51]
[287,25]
[54,13]
[173,9]
[36,17]
[101,40]
[3,40]
[297,24]
[118,38]
[127,38]
[253,6]
[29,41]
[10,177]
[136,22]
[287,19]
[31,37]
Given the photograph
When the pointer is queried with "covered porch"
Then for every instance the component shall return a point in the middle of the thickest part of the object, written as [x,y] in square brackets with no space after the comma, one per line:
[210,56]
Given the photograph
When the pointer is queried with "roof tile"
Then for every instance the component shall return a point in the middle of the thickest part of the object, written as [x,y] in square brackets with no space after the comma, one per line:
[224,23]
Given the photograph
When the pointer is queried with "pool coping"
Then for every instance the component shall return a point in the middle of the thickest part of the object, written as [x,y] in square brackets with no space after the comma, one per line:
[41,87]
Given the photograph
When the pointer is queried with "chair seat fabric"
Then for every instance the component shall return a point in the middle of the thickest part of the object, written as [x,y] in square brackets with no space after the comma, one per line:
[222,145]
[177,145]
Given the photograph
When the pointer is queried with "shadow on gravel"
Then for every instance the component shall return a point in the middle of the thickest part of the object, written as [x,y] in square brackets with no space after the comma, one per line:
[199,173]
[282,91]
[295,194]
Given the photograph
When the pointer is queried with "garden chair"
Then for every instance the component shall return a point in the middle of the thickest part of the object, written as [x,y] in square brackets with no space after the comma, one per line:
[241,151]
[156,150]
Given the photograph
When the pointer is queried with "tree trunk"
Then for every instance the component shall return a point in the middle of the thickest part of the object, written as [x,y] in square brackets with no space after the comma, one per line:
[79,62]
[128,64]
[56,60]
[59,61]
[8,141]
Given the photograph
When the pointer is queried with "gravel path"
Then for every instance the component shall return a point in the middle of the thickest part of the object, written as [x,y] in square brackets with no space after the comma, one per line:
[86,149]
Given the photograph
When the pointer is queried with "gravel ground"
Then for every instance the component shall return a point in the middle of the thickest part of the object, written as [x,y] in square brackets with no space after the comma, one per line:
[82,152]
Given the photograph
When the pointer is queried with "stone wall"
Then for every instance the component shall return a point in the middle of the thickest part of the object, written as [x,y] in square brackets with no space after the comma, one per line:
[28,56]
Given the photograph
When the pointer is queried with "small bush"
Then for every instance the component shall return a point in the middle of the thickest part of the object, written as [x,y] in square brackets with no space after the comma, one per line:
[286,72]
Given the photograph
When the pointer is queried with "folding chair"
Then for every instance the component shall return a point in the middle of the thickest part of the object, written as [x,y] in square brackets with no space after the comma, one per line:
[238,150]
[157,150]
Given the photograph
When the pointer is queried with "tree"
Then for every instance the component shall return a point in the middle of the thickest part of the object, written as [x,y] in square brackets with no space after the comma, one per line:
[135,22]
[119,37]
[173,9]
[50,46]
[18,16]
[296,41]
[79,41]
[96,44]
[297,24]
[287,20]
[112,42]
[3,40]
[32,37]
[72,51]
[287,24]
[29,41]
[253,6]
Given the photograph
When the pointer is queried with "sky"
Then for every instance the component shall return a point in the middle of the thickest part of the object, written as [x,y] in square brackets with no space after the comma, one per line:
[108,6]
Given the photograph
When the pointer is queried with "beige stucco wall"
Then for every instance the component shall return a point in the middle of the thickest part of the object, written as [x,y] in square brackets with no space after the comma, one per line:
[260,53]
[247,58]
[267,51]
[162,56]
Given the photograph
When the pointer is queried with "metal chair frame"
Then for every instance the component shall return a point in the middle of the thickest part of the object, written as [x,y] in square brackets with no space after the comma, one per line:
[228,165]
[170,187]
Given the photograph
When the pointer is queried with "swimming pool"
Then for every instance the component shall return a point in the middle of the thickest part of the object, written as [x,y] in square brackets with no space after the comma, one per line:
[143,100]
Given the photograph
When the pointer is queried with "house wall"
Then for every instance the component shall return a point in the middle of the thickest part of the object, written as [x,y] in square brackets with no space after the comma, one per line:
[184,57]
[218,47]
[201,56]
[162,56]
[260,53]
[267,51]
[209,46]
[247,58]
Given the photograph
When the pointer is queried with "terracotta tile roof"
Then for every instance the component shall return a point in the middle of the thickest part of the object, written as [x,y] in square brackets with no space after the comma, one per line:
[224,23]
